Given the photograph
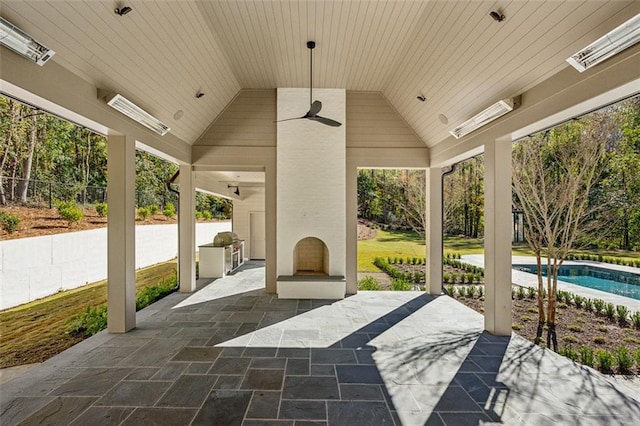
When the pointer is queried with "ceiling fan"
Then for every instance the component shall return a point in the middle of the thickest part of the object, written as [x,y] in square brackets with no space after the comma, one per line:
[314,106]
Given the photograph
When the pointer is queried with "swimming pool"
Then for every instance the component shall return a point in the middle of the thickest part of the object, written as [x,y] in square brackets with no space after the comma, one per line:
[615,282]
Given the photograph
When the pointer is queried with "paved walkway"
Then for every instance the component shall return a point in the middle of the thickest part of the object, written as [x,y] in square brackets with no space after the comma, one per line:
[531,280]
[231,354]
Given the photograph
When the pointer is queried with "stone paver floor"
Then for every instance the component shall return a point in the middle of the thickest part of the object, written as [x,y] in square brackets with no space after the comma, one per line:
[231,354]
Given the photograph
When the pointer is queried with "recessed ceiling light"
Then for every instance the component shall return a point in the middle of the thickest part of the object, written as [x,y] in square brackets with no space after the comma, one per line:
[178,115]
[443,119]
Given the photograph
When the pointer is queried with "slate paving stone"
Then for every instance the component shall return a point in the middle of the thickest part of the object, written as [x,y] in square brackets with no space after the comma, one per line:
[232,352]
[260,379]
[468,419]
[134,394]
[297,367]
[361,393]
[198,368]
[268,423]
[160,416]
[228,382]
[323,370]
[294,353]
[230,366]
[333,356]
[356,340]
[311,410]
[260,352]
[301,387]
[223,407]
[264,405]
[271,363]
[188,391]
[142,373]
[358,374]
[455,398]
[92,382]
[61,410]
[17,409]
[197,354]
[358,413]
[474,386]
[365,356]
[170,371]
[107,416]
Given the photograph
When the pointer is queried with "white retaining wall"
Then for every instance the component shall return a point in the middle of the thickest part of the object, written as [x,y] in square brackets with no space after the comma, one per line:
[31,268]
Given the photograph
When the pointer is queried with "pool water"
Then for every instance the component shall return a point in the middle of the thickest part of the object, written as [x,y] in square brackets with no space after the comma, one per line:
[615,282]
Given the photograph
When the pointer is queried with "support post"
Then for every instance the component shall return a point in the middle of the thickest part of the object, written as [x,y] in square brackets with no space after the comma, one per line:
[270,204]
[433,239]
[352,228]
[187,231]
[121,236]
[497,237]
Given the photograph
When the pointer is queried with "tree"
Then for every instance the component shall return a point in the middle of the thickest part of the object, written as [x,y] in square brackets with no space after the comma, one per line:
[554,176]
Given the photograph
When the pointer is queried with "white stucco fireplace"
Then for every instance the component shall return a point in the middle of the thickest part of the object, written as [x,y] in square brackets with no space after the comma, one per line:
[311,197]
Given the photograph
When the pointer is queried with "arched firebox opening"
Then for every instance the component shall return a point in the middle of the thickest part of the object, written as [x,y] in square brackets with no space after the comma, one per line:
[311,257]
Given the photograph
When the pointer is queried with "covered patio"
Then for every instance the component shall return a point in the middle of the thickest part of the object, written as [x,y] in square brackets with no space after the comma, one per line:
[401,77]
[233,354]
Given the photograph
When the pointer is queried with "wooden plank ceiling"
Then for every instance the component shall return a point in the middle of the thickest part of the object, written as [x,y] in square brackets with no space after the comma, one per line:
[163,52]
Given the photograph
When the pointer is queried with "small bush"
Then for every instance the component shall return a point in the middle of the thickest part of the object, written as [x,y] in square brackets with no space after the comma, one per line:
[575,328]
[89,322]
[169,210]
[587,356]
[198,215]
[588,305]
[470,291]
[624,359]
[605,360]
[578,300]
[102,209]
[368,283]
[623,314]
[635,319]
[143,213]
[570,339]
[401,285]
[461,292]
[520,293]
[71,213]
[526,318]
[450,290]
[569,352]
[206,215]
[153,209]
[480,291]
[516,327]
[150,294]
[598,305]
[531,292]
[603,329]
[610,311]
[599,340]
[636,356]
[9,222]
[532,310]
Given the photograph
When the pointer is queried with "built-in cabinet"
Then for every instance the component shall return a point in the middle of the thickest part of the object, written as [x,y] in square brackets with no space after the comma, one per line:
[216,261]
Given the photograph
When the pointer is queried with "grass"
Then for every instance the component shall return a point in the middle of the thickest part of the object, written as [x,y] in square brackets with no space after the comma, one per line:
[389,244]
[35,331]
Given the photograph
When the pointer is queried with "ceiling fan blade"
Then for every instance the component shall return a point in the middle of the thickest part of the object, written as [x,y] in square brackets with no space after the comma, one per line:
[316,106]
[327,121]
[289,119]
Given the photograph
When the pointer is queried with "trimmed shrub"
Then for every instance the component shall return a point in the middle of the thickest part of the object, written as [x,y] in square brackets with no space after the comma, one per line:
[71,213]
[588,305]
[598,305]
[624,360]
[9,222]
[368,283]
[531,292]
[470,291]
[623,313]
[102,209]
[401,285]
[169,210]
[450,290]
[635,319]
[198,215]
[153,209]
[143,213]
[207,215]
[605,360]
[610,311]
[587,356]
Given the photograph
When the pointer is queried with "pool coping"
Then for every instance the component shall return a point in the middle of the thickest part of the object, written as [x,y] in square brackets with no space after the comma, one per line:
[526,279]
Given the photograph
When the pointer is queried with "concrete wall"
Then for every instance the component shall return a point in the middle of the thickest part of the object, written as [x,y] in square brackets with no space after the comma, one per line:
[31,268]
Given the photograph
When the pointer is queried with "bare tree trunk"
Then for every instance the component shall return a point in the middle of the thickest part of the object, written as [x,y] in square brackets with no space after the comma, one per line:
[541,316]
[23,185]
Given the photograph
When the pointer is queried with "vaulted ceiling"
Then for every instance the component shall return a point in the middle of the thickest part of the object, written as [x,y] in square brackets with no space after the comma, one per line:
[163,52]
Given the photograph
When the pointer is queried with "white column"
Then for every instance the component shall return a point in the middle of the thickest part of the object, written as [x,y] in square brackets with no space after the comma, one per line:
[434,230]
[121,235]
[497,237]
[271,230]
[187,231]
[352,229]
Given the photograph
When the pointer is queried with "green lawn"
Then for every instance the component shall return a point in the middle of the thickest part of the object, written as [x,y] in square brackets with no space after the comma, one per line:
[409,244]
